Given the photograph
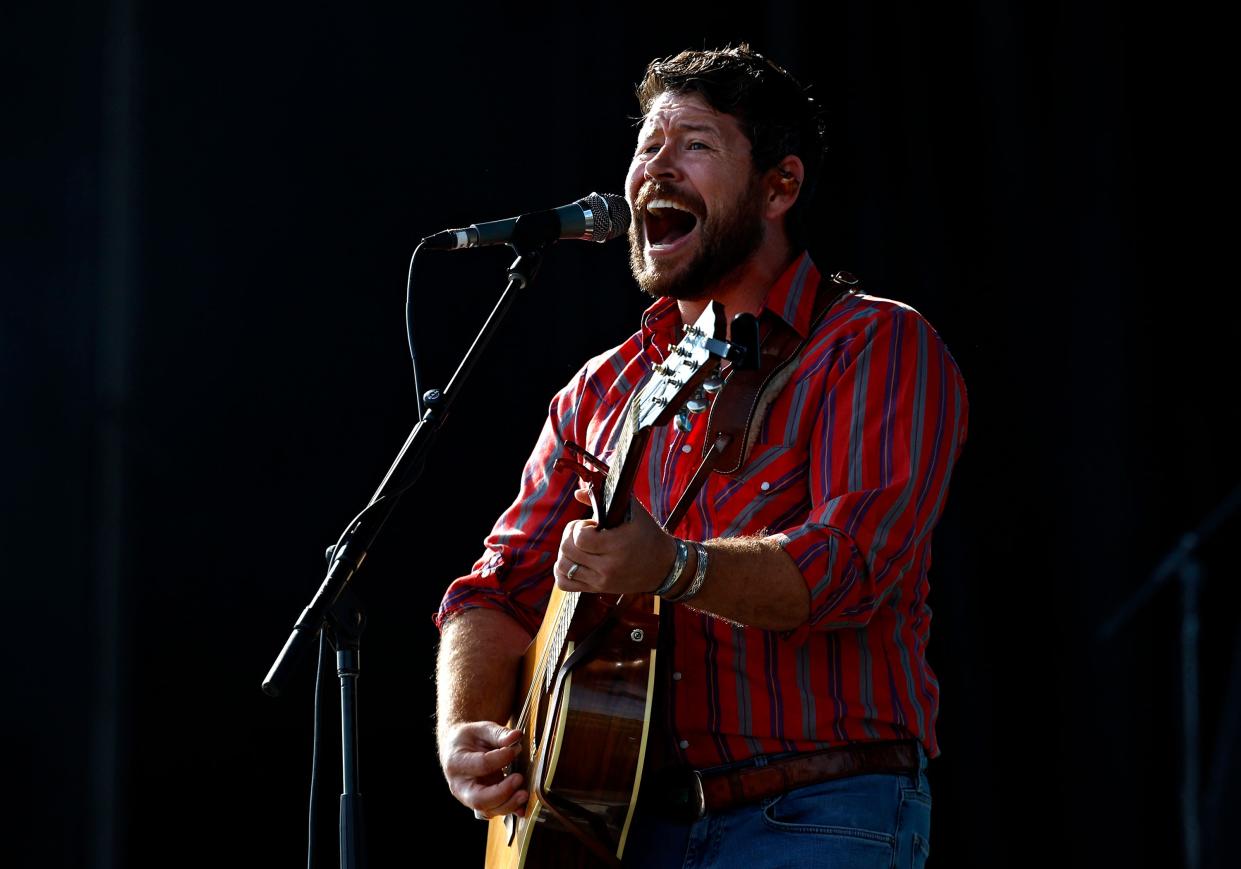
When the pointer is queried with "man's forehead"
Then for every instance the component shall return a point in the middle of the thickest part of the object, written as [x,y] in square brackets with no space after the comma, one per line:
[685,110]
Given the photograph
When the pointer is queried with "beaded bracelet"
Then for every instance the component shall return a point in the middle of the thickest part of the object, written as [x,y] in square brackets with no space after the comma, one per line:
[678,565]
[699,575]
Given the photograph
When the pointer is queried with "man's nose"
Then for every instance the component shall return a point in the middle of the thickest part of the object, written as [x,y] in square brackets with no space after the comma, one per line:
[662,165]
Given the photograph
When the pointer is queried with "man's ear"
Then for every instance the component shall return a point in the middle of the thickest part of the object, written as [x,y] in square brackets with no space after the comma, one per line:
[783,185]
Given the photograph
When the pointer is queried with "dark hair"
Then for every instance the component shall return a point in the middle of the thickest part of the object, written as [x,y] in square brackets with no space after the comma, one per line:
[777,115]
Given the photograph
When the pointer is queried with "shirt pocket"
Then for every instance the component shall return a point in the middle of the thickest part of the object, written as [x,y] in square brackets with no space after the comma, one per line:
[768,494]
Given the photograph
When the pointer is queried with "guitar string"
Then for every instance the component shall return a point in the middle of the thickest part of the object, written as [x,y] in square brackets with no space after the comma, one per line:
[568,607]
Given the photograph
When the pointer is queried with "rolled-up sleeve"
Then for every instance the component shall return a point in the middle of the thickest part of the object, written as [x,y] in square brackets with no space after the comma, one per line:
[514,573]
[889,429]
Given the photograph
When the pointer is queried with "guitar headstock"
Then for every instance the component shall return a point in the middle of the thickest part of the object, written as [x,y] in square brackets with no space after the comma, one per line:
[676,388]
[675,383]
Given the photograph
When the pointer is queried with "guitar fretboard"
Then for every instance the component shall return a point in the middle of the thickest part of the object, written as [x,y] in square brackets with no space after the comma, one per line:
[555,643]
[620,456]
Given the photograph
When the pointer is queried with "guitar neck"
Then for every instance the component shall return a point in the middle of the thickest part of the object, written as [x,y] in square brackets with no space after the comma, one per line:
[618,486]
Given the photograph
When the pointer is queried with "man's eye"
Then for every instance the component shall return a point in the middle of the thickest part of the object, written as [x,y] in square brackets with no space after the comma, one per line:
[697,146]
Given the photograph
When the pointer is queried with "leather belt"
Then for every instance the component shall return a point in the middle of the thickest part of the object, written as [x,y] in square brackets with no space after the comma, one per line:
[689,794]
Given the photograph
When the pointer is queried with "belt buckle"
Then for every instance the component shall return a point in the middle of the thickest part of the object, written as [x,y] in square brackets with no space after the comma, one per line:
[698,796]
[681,797]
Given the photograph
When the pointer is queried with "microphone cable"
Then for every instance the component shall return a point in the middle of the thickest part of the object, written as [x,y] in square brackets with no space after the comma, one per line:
[409,328]
[318,707]
[314,758]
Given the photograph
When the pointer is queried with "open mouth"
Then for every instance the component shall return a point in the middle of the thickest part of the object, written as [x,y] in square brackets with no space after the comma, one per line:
[667,223]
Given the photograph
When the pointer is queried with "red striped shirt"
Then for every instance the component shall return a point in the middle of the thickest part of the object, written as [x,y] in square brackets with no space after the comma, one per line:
[850,469]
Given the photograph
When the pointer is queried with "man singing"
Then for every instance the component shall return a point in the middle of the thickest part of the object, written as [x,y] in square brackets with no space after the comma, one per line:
[794,590]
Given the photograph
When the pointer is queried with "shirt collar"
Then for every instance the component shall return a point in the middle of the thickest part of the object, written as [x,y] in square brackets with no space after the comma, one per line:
[660,323]
[791,298]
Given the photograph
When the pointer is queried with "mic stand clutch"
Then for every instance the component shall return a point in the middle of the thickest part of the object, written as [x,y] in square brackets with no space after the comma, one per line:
[344,622]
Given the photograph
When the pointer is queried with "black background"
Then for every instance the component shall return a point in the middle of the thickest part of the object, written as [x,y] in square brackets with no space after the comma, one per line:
[207,216]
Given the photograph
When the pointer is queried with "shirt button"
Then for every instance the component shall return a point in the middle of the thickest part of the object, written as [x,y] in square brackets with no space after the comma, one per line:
[684,743]
[687,449]
[765,486]
[676,677]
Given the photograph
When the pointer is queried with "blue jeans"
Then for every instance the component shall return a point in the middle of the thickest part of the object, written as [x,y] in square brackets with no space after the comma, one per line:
[864,822]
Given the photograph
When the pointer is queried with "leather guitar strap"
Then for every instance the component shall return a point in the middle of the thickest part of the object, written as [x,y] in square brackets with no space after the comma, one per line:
[747,393]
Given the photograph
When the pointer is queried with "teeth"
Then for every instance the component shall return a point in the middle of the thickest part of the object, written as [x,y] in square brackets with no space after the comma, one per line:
[657,204]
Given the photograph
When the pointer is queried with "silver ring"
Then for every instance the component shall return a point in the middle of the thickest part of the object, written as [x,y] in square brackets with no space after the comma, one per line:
[572,570]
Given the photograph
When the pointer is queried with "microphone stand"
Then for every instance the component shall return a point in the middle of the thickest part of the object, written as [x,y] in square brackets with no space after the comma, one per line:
[1182,563]
[342,616]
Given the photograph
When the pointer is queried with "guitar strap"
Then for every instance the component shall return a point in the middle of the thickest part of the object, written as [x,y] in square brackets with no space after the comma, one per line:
[748,393]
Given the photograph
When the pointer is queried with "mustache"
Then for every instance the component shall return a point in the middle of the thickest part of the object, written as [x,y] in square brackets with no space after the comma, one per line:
[662,190]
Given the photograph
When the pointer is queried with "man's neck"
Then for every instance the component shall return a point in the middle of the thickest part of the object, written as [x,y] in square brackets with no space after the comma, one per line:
[743,291]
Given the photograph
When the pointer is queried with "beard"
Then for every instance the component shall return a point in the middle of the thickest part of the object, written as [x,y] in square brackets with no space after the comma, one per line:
[725,241]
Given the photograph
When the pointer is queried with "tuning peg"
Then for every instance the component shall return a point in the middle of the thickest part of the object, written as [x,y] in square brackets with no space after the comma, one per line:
[698,403]
[713,384]
[683,421]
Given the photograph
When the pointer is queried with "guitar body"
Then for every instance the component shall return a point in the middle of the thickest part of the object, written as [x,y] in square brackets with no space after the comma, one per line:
[589,679]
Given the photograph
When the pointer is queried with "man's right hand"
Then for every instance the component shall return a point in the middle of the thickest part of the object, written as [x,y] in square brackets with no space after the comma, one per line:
[474,755]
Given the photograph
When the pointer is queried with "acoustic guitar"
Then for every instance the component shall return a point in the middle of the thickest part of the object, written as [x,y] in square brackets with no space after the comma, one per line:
[587,680]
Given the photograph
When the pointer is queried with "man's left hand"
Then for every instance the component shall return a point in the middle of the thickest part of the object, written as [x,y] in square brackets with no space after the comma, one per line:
[633,557]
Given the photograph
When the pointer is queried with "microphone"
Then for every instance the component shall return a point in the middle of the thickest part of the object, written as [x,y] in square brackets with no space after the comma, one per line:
[598,217]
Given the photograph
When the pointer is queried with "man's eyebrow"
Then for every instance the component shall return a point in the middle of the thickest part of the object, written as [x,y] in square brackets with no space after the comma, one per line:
[697,128]
[648,129]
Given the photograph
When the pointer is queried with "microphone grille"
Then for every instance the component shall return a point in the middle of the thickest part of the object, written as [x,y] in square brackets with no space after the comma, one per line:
[611,215]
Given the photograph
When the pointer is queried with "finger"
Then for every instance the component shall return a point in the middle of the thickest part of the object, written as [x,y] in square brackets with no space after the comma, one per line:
[571,554]
[488,734]
[489,799]
[569,530]
[574,582]
[477,764]
[483,736]
[516,805]
[506,736]
[582,495]
[592,559]
[499,758]
[586,537]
